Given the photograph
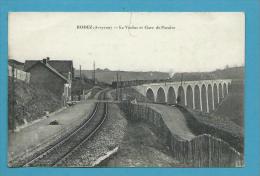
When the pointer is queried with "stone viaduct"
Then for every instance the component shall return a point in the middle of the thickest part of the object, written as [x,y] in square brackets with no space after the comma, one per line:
[202,95]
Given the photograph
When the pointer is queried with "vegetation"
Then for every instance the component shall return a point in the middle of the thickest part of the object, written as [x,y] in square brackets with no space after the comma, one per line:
[232,107]
[79,84]
[225,129]
[108,76]
[227,73]
[16,64]
[31,102]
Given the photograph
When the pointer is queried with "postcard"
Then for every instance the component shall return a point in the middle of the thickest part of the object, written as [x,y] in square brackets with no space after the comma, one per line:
[126,89]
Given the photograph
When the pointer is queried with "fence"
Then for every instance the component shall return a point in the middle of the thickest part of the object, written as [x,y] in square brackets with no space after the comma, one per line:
[201,151]
[19,74]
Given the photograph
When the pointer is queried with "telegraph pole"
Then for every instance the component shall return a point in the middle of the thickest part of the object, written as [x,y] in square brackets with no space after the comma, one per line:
[13,100]
[81,82]
[80,71]
[94,70]
[117,85]
[120,80]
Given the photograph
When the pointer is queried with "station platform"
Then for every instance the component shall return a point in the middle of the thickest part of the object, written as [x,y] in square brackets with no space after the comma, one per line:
[41,132]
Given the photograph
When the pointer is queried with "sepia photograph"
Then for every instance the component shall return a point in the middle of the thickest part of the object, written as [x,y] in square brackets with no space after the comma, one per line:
[126,89]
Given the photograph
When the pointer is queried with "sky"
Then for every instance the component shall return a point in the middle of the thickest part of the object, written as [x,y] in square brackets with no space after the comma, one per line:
[168,42]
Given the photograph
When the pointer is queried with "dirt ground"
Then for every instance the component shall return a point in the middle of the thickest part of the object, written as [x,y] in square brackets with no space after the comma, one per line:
[141,147]
[138,145]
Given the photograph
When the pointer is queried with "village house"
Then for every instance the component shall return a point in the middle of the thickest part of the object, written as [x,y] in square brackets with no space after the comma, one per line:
[54,75]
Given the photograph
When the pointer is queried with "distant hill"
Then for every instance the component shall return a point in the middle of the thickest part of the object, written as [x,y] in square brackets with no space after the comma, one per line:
[108,76]
[230,73]
[227,73]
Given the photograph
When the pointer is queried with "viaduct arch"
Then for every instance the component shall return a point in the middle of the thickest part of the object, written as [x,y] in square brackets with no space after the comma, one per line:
[171,97]
[202,95]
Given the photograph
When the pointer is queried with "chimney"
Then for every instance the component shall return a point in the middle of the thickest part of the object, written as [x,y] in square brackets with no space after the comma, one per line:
[44,61]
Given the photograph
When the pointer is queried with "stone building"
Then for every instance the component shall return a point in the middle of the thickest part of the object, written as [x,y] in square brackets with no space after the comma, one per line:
[62,66]
[55,75]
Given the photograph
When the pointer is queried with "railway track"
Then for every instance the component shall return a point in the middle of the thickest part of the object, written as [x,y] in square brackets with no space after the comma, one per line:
[61,151]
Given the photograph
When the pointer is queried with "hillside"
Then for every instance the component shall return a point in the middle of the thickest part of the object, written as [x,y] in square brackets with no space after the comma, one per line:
[108,76]
[227,73]
[230,73]
[232,107]
[31,102]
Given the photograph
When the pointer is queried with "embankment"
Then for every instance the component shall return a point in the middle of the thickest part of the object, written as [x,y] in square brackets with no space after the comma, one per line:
[203,150]
[29,103]
[224,129]
[232,107]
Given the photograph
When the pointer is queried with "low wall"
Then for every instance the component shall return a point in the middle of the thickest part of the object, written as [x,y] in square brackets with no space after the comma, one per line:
[202,151]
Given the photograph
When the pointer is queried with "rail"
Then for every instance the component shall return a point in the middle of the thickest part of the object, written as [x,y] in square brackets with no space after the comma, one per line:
[69,144]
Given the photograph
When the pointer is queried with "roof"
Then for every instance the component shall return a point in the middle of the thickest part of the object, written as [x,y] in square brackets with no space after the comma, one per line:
[55,71]
[48,66]
[29,63]
[16,64]
[62,66]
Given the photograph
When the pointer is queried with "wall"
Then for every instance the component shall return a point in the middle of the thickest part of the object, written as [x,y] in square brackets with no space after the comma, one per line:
[41,75]
[19,74]
[202,151]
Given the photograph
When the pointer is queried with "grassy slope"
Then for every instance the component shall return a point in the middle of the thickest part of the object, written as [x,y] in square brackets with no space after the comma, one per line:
[233,106]
[31,102]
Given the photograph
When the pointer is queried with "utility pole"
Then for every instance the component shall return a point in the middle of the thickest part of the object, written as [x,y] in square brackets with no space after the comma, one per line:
[116,85]
[81,82]
[120,80]
[13,100]
[94,70]
[80,72]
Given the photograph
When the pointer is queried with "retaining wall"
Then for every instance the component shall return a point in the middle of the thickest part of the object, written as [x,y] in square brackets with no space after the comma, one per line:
[202,151]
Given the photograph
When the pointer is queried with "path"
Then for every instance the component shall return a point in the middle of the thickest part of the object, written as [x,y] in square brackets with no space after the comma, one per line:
[41,131]
[175,120]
